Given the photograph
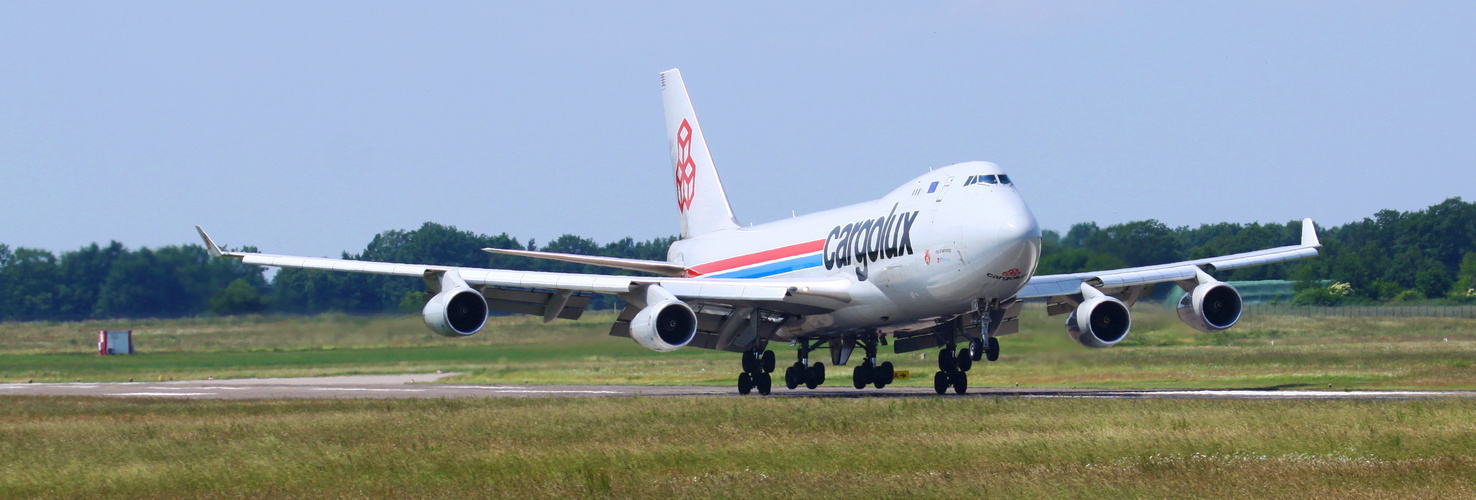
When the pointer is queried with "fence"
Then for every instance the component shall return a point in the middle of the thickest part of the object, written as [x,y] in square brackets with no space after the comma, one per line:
[1363,311]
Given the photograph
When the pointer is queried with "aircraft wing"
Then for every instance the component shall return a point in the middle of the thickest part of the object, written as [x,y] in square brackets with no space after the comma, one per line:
[1054,285]
[525,291]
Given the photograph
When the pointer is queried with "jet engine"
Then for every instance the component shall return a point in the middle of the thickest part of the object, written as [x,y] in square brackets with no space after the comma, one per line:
[457,312]
[1209,305]
[1099,321]
[665,324]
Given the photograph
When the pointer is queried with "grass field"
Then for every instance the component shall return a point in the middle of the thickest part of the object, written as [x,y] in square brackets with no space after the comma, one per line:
[736,448]
[1349,353]
[742,447]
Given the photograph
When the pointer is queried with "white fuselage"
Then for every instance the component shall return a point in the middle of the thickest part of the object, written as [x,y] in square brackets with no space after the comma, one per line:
[924,250]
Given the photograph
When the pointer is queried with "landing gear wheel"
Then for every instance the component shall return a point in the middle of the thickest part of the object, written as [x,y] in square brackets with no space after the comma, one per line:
[991,349]
[815,376]
[965,359]
[960,382]
[767,361]
[745,383]
[750,363]
[940,382]
[861,376]
[792,376]
[883,375]
[976,349]
[945,360]
[763,381]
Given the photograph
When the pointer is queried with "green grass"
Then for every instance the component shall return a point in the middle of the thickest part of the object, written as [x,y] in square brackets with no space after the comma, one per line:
[736,448]
[1349,353]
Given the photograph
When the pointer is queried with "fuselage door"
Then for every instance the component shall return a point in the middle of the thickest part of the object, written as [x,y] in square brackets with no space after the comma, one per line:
[944,189]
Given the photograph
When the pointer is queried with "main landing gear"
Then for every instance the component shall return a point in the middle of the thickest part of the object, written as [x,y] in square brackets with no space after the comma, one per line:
[870,373]
[799,373]
[953,368]
[757,365]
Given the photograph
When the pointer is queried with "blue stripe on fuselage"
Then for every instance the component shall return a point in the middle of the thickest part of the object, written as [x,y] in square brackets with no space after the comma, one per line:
[774,268]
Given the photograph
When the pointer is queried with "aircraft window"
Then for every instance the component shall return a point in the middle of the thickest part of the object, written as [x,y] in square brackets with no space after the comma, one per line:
[1004,179]
[987,179]
[970,181]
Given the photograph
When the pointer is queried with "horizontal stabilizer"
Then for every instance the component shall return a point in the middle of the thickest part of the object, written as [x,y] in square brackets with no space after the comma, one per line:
[645,266]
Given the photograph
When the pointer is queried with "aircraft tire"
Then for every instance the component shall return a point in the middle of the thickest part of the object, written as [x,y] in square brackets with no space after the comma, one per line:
[792,376]
[763,382]
[745,383]
[860,377]
[960,382]
[965,359]
[750,363]
[991,349]
[815,376]
[888,372]
[768,362]
[976,347]
[946,362]
[941,382]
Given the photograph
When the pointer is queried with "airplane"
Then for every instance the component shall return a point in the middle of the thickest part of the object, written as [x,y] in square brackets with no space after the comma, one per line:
[944,261]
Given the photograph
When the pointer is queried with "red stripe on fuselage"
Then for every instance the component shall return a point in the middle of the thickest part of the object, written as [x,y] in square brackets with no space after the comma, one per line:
[755,258]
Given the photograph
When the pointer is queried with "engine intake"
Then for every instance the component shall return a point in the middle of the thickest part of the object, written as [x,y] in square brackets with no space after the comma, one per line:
[665,324]
[1099,320]
[457,312]
[1210,305]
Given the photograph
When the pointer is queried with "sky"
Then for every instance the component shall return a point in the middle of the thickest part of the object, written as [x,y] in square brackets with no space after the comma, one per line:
[306,128]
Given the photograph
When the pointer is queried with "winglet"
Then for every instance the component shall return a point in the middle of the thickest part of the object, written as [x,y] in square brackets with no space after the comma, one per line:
[209,245]
[1309,234]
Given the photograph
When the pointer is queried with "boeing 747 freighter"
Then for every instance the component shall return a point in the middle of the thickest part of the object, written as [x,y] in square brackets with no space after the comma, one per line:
[941,262]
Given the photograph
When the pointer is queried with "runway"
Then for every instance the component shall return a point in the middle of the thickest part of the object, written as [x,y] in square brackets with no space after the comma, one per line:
[423,386]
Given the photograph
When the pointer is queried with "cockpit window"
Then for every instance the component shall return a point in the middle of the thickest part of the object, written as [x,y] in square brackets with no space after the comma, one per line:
[1004,179]
[981,179]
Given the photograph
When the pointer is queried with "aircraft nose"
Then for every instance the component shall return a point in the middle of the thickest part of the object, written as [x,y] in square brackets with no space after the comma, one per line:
[1017,225]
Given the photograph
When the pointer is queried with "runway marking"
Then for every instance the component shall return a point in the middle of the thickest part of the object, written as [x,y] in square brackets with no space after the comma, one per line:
[525,390]
[362,389]
[162,394]
[534,391]
[1118,394]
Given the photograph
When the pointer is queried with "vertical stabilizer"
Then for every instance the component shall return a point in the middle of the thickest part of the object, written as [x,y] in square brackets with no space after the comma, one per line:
[700,197]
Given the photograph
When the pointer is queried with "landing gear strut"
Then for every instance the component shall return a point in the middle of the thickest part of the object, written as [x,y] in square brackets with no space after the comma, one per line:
[870,373]
[757,365]
[799,374]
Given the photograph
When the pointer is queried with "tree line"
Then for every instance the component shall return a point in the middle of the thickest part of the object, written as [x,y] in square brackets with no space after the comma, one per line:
[1392,256]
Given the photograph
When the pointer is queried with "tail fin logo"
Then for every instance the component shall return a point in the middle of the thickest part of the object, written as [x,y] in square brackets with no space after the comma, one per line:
[686,169]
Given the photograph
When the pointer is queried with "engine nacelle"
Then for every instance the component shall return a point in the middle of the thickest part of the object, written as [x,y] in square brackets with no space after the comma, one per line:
[457,312]
[1099,321]
[665,324]
[1210,306]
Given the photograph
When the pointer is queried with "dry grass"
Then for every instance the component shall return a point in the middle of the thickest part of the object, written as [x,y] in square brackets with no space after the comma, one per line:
[737,448]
